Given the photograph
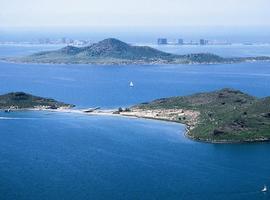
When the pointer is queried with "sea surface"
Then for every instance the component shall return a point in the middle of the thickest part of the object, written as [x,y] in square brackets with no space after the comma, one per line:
[45,155]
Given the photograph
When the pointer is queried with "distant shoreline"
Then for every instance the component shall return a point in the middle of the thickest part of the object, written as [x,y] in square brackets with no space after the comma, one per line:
[112,51]
[4,60]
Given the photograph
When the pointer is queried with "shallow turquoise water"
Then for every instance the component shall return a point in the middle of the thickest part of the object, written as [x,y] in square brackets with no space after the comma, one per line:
[70,156]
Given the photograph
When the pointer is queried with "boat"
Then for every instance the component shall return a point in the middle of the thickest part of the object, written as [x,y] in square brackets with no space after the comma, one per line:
[91,109]
[131,84]
[264,189]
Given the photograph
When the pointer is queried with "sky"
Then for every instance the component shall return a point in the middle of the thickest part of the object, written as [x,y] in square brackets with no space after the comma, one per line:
[140,13]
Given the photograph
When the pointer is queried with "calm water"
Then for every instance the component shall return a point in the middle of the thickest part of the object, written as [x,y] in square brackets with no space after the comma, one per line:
[235,50]
[108,86]
[69,156]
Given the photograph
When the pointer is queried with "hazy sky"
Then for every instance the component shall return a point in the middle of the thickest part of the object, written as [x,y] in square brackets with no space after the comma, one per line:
[134,13]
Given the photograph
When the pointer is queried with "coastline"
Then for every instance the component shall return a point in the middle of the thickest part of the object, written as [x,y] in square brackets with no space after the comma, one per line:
[110,112]
[189,128]
[5,60]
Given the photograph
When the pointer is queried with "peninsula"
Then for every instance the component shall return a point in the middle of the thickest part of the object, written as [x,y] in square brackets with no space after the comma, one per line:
[115,52]
[21,100]
[223,116]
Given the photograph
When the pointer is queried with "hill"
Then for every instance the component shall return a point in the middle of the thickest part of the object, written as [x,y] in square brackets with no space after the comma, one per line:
[225,115]
[113,51]
[21,100]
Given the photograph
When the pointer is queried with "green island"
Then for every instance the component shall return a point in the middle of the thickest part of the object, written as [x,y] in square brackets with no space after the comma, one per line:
[21,100]
[223,116]
[115,52]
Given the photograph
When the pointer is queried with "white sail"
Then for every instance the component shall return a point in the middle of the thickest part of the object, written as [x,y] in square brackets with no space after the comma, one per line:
[131,84]
[264,189]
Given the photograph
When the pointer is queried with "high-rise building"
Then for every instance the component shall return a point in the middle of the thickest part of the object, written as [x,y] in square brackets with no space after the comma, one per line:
[180,41]
[64,40]
[162,41]
[203,42]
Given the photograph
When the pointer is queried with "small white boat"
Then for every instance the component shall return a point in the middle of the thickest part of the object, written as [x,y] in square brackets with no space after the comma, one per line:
[131,84]
[91,109]
[264,189]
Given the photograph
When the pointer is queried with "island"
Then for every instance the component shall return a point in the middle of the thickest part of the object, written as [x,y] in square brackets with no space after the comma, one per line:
[21,101]
[223,116]
[115,52]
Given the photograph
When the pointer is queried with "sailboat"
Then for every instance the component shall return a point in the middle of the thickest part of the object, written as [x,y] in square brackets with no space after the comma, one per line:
[264,189]
[131,84]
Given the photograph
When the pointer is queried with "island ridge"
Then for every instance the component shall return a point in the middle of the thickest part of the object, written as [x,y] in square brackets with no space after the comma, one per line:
[223,116]
[115,52]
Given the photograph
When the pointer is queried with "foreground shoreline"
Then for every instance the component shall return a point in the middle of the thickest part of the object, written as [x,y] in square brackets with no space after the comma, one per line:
[131,115]
[188,128]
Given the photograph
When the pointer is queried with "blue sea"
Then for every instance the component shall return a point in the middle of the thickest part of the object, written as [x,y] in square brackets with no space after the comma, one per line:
[45,156]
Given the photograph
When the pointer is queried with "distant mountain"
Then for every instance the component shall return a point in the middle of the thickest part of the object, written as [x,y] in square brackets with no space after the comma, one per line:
[21,100]
[113,51]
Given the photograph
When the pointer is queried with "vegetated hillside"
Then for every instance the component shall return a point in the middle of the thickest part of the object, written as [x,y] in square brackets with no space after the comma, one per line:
[225,115]
[22,100]
[113,51]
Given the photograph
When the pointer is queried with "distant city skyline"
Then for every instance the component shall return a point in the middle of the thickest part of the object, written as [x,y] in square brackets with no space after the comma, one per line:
[141,13]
